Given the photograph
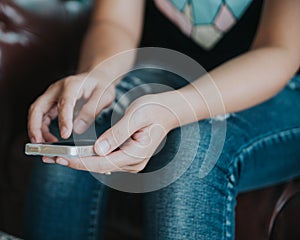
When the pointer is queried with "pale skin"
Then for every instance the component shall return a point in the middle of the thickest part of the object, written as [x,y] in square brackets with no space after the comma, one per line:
[243,82]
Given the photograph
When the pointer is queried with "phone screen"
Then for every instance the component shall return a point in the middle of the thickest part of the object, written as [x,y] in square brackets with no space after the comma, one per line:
[72,143]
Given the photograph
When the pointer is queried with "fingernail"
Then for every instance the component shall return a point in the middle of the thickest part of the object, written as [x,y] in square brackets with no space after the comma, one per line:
[103,147]
[79,126]
[48,160]
[64,132]
[62,161]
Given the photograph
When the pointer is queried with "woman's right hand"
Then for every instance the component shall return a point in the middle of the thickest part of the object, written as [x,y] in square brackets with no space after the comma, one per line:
[59,101]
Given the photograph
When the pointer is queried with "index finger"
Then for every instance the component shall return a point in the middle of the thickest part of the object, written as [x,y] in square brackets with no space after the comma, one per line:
[36,113]
[66,104]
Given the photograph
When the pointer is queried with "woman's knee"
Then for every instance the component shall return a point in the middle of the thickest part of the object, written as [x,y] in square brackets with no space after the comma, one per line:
[55,181]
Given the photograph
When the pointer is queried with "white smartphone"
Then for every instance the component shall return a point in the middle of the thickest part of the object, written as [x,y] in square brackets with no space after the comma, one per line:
[82,148]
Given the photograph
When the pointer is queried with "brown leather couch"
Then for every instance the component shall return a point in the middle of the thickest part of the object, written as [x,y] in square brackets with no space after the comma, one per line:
[39,43]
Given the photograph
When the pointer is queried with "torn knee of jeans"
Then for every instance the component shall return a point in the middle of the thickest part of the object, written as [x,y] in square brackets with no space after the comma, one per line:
[221,117]
[294,84]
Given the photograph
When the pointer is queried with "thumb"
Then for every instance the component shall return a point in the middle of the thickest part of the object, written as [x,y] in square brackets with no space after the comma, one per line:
[117,134]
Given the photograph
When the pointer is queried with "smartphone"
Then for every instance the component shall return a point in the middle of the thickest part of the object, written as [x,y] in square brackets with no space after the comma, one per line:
[82,148]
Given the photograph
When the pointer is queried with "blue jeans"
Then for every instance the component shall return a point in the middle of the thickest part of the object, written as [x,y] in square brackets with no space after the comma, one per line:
[261,149]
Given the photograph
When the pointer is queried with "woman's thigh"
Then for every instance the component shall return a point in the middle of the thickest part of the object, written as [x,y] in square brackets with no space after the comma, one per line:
[267,140]
[261,148]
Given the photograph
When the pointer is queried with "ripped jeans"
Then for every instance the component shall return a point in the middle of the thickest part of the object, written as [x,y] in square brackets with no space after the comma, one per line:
[261,149]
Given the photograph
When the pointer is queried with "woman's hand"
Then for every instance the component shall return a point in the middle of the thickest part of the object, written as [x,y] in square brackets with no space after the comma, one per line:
[59,101]
[130,143]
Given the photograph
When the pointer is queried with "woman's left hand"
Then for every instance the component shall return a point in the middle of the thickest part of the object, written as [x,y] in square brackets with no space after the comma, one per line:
[129,144]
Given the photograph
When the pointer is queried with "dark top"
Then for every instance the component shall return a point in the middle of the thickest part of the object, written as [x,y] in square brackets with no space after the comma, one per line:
[159,31]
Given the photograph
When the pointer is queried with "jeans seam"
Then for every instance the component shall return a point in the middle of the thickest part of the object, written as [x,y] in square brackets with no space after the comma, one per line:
[229,208]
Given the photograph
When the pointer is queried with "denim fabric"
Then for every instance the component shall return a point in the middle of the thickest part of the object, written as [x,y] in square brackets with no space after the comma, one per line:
[261,149]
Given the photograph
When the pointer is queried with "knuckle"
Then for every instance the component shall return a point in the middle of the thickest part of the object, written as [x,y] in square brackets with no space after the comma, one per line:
[91,107]
[53,85]
[32,108]
[68,85]
[140,167]
[112,92]
[68,81]
[64,103]
[36,104]
[110,96]
[87,113]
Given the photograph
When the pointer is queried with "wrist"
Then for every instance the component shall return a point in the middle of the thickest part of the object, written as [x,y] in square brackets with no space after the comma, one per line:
[175,108]
[186,105]
[114,68]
